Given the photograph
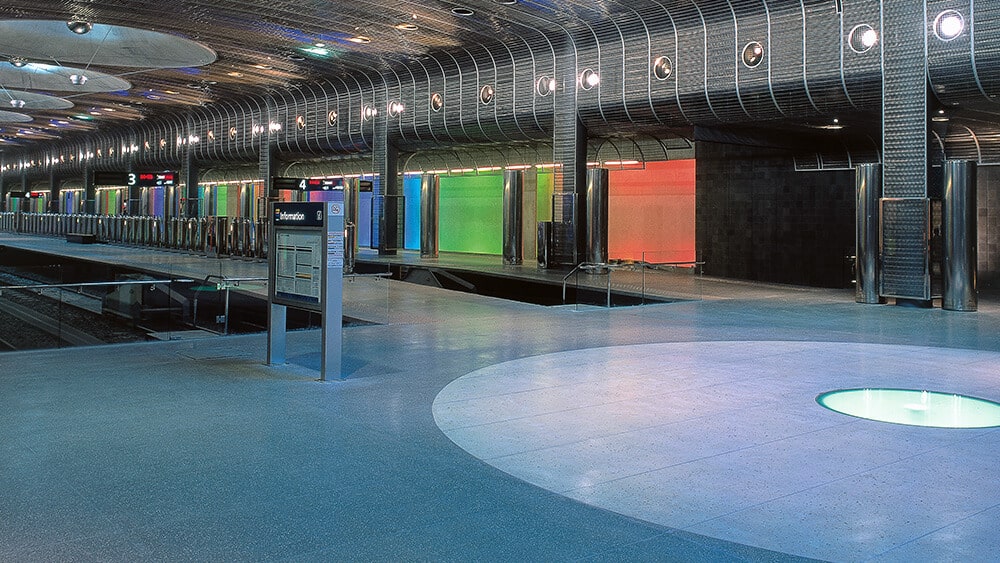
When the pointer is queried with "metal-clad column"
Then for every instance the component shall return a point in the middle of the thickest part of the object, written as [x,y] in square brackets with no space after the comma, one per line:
[351,195]
[959,223]
[868,191]
[430,189]
[569,153]
[187,200]
[513,202]
[89,190]
[905,211]
[597,216]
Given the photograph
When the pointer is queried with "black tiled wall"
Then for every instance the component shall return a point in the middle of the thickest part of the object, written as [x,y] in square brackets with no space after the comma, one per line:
[988,203]
[759,219]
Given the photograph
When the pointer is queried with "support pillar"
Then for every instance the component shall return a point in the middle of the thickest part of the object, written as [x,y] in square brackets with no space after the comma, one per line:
[54,185]
[430,193]
[868,190]
[513,218]
[905,209]
[597,216]
[89,191]
[959,225]
[352,189]
[188,199]
[386,207]
[569,148]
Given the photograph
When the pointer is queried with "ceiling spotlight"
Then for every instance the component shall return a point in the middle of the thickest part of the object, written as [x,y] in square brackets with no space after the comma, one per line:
[79,27]
[18,62]
[14,102]
[78,79]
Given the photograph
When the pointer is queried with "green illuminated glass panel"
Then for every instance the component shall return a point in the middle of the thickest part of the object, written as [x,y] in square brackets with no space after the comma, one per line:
[222,200]
[471,214]
[543,201]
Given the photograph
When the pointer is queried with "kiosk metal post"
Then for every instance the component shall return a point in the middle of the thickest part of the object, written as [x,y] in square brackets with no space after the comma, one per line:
[305,271]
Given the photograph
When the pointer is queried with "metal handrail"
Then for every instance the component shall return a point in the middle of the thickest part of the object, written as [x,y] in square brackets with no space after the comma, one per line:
[93,284]
[590,266]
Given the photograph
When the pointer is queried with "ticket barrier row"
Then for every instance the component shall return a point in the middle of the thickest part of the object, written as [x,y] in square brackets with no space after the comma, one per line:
[219,236]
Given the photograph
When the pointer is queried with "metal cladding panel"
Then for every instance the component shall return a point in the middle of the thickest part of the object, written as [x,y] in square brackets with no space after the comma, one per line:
[723,56]
[904,249]
[904,121]
[755,84]
[609,94]
[824,80]
[663,43]
[951,69]
[785,57]
[639,80]
[986,49]
[691,65]
[861,70]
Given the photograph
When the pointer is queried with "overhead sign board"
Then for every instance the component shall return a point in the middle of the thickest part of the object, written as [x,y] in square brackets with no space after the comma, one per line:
[138,179]
[306,184]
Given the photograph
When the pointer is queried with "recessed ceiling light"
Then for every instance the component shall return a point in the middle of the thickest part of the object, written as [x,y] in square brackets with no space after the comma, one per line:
[506,2]
[235,74]
[460,11]
[295,57]
[406,27]
[320,45]
[263,67]
[362,39]
[78,79]
[16,103]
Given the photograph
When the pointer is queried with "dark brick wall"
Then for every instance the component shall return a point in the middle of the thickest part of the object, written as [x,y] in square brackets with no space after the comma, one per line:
[988,222]
[759,219]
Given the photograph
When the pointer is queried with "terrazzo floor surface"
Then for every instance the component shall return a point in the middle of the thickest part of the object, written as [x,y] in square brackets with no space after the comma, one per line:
[471,428]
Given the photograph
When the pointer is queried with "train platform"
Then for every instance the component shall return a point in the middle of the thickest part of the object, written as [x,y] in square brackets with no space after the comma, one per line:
[474,428]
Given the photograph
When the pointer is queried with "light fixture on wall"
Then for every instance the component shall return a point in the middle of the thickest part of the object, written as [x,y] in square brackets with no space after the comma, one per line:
[395,108]
[862,38]
[663,68]
[948,25]
[79,27]
[545,86]
[331,118]
[486,94]
[437,101]
[753,54]
[589,79]
[18,61]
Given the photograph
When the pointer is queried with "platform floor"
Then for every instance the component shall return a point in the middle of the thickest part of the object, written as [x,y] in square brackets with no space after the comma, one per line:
[676,432]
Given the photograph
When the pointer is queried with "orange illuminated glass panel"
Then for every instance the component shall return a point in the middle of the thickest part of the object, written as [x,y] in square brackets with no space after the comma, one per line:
[653,211]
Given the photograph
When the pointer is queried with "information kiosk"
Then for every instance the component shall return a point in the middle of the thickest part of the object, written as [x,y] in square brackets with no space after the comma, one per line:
[305,271]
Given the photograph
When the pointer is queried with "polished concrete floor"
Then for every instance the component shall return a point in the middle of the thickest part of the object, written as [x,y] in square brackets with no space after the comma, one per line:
[472,428]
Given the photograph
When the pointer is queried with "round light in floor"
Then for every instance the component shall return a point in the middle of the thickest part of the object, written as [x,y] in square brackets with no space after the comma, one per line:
[913,407]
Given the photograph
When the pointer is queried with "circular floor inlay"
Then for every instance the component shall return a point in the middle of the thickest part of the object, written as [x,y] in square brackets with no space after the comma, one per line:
[725,439]
[913,407]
